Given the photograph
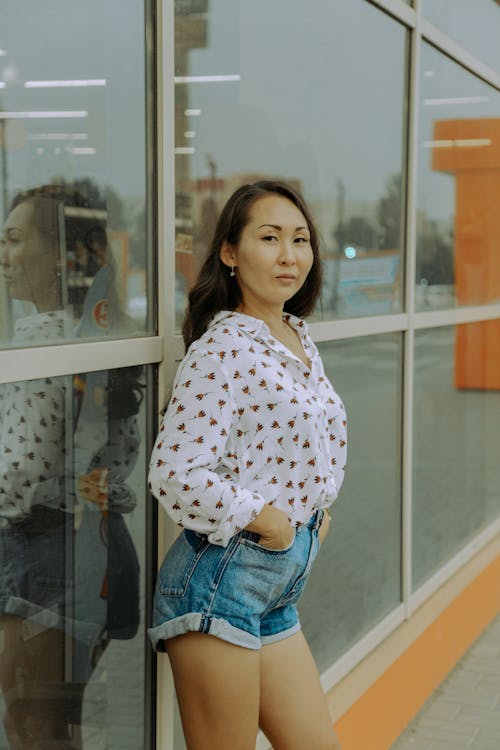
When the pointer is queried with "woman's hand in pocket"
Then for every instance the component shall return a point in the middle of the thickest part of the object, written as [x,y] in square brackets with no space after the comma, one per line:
[274,528]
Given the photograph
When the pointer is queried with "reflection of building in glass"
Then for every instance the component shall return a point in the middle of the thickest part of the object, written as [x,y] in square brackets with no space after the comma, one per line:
[470,150]
[190,34]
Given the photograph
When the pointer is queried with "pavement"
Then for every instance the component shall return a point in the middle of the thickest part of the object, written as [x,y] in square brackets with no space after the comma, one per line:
[464,711]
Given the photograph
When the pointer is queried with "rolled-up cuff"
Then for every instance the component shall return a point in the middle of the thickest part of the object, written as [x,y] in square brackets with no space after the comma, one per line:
[195,622]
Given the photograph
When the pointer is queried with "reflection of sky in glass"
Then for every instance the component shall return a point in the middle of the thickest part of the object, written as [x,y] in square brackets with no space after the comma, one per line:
[474,25]
[319,102]
[90,40]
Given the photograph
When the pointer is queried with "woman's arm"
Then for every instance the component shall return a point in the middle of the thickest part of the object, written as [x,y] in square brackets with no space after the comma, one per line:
[186,474]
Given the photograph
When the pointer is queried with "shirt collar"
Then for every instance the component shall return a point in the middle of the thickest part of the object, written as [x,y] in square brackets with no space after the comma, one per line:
[255,326]
[259,330]
[252,326]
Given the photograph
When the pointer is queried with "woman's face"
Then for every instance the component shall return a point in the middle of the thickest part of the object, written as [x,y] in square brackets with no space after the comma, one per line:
[274,254]
[28,262]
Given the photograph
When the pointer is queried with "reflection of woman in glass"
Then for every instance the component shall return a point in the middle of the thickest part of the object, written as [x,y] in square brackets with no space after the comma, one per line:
[250,454]
[43,615]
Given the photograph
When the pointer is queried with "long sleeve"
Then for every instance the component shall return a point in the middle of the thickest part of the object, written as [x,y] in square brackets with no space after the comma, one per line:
[32,441]
[336,433]
[193,470]
[117,457]
[248,424]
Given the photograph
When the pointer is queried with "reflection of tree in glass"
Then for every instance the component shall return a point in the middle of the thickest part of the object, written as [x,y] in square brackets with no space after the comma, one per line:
[434,243]
[389,210]
[435,262]
[368,235]
[357,231]
[205,228]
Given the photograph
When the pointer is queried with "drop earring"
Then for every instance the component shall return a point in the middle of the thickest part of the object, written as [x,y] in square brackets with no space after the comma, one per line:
[233,272]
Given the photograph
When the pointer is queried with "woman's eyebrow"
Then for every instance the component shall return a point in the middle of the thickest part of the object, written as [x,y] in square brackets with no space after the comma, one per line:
[277,226]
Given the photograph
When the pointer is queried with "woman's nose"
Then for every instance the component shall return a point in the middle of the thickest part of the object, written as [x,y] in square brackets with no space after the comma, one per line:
[287,255]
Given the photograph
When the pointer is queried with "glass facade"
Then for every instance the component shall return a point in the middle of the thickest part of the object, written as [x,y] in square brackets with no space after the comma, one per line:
[357,578]
[76,263]
[72,549]
[401,168]
[458,183]
[251,104]
[69,133]
[475,26]
[456,476]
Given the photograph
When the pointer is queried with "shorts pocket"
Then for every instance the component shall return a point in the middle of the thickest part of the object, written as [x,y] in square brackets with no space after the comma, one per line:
[250,539]
[294,592]
[180,563]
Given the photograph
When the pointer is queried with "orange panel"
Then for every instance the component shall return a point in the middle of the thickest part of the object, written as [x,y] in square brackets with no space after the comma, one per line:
[470,149]
[477,355]
[377,719]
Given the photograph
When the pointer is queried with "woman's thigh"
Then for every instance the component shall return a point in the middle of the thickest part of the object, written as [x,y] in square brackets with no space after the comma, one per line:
[217,686]
[293,710]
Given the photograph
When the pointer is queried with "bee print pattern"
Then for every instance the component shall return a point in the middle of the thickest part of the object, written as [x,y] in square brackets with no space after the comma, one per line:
[248,423]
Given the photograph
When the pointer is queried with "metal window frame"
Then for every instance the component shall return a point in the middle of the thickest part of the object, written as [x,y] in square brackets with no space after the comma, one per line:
[406,323]
[165,696]
[71,358]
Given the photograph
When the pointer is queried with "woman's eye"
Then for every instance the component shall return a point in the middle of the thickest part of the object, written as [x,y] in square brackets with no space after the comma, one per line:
[270,237]
[11,239]
[301,240]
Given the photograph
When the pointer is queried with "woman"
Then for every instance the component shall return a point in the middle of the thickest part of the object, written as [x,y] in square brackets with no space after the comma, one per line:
[250,454]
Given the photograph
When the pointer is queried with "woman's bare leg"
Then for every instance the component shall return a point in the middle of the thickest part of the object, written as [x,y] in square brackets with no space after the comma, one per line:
[217,686]
[293,710]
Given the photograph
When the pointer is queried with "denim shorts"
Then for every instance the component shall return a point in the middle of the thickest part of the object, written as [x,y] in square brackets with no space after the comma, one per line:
[243,593]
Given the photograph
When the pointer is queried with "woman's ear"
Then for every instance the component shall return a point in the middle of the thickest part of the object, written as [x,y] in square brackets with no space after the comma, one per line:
[226,254]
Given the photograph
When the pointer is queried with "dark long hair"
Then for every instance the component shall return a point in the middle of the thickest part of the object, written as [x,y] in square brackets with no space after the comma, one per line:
[214,290]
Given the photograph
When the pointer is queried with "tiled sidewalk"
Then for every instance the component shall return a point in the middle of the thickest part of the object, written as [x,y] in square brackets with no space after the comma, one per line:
[464,712]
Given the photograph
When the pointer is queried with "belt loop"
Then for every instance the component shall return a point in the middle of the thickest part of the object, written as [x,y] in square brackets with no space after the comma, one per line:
[321,515]
[317,518]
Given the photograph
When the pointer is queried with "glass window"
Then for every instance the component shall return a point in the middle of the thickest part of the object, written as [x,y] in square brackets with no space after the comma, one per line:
[476,26]
[458,223]
[357,578]
[456,436]
[73,167]
[72,560]
[253,103]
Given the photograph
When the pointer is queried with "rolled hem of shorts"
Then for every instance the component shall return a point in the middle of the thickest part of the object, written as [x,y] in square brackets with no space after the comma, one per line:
[196,622]
[268,639]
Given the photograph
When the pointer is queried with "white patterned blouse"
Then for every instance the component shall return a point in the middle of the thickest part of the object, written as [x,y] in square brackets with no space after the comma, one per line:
[248,424]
